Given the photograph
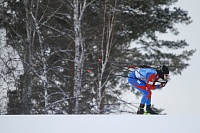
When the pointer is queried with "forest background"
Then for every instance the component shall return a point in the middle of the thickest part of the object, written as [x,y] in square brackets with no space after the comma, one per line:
[71,57]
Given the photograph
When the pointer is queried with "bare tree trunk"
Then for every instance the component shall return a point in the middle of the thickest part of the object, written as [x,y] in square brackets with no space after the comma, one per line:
[106,44]
[78,61]
[27,60]
[43,76]
[79,8]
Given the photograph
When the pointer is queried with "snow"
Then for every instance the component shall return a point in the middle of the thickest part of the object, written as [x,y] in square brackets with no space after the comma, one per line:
[99,124]
[9,58]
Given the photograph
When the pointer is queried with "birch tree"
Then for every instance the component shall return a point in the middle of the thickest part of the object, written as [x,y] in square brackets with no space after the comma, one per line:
[106,45]
[79,7]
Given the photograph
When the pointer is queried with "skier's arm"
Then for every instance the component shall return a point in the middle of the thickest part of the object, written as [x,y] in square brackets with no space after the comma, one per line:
[151,82]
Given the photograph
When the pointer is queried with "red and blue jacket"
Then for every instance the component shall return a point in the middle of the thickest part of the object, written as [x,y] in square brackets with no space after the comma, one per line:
[148,75]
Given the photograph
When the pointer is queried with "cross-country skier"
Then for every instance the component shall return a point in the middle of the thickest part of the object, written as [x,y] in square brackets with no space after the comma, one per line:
[145,79]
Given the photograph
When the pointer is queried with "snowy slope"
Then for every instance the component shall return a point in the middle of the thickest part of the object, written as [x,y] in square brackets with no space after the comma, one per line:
[99,124]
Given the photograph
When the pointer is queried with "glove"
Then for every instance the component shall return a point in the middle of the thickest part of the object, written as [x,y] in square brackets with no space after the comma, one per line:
[162,85]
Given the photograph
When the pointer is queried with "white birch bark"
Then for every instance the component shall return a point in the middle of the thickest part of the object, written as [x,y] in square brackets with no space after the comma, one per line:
[77,61]
[79,8]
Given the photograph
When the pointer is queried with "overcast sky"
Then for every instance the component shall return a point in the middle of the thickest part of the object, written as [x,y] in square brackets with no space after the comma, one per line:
[182,93]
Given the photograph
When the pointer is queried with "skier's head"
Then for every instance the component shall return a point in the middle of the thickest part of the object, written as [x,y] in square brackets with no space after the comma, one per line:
[165,69]
[163,73]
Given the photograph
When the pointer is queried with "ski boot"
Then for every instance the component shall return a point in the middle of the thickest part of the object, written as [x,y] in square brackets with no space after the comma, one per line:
[150,110]
[141,109]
